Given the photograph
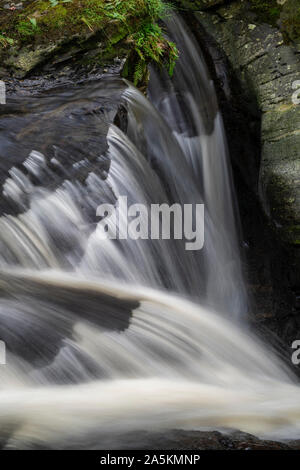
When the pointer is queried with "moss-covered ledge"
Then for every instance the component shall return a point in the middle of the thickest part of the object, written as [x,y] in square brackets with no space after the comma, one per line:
[108,28]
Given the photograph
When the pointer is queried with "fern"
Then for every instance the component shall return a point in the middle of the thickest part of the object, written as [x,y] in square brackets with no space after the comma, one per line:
[140,71]
[150,45]
[5,41]
[173,56]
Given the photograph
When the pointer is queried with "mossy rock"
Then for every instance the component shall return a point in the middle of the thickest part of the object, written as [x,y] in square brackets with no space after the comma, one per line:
[268,11]
[290,20]
[284,14]
[44,27]
[201,4]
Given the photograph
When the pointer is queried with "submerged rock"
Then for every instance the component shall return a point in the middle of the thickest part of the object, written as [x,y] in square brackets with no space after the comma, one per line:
[179,440]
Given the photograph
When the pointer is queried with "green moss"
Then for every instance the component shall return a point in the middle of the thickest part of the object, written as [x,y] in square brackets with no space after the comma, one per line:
[57,18]
[150,46]
[290,20]
[112,21]
[286,16]
[5,41]
[26,29]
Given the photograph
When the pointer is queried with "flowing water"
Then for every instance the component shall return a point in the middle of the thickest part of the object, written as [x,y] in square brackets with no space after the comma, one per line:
[118,336]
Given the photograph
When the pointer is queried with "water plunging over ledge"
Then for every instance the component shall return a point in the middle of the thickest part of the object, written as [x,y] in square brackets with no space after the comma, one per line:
[125,335]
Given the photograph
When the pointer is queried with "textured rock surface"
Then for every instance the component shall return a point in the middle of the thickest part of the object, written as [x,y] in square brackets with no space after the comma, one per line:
[290,20]
[201,4]
[39,34]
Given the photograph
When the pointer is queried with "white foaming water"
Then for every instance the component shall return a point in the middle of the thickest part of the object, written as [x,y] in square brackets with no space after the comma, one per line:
[178,365]
[95,342]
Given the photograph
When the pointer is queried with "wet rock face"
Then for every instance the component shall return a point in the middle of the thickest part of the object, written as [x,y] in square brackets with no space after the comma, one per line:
[290,20]
[269,71]
[201,4]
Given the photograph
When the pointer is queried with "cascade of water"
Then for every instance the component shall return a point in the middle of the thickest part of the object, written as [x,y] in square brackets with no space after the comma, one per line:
[100,334]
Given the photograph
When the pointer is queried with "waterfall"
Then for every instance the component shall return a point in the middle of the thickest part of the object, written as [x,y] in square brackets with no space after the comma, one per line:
[119,335]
